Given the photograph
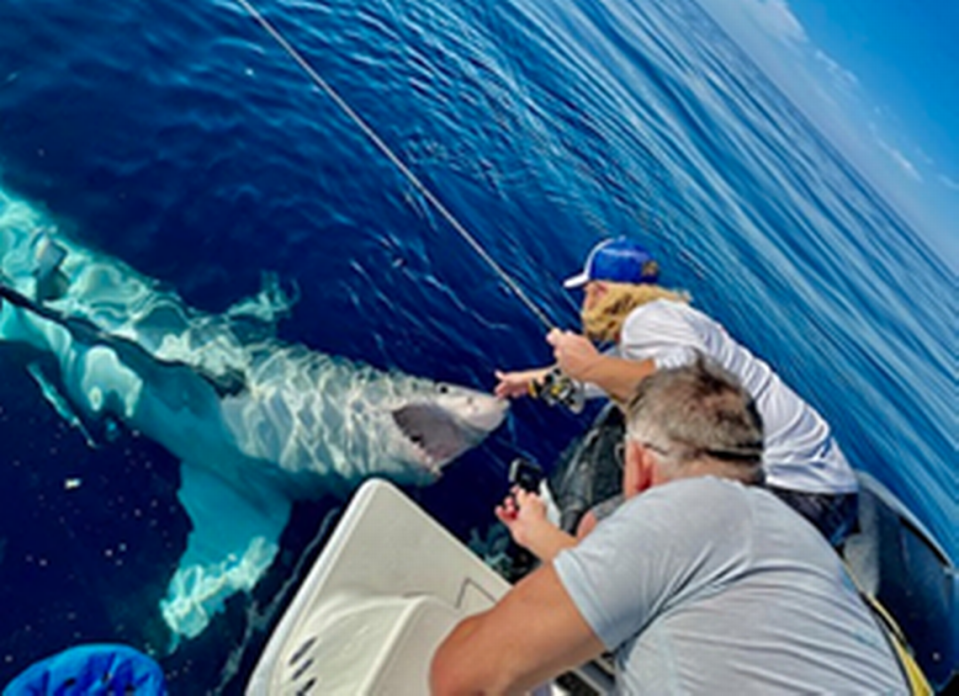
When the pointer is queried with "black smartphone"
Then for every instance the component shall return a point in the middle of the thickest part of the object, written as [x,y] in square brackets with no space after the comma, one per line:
[525,474]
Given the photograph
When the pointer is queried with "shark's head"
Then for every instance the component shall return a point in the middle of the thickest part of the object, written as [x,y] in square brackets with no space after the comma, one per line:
[438,422]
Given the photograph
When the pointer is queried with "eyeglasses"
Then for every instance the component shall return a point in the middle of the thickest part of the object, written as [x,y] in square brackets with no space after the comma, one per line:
[750,452]
[656,448]
[619,452]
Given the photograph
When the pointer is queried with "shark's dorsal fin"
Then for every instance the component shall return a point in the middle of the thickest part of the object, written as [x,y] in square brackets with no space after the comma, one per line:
[52,284]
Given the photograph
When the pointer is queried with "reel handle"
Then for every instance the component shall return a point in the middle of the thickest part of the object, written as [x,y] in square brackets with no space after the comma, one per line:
[559,389]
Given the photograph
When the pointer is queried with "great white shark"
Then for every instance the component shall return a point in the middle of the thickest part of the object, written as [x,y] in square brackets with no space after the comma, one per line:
[256,423]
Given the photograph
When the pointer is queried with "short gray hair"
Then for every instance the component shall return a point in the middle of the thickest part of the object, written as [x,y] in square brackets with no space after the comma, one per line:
[698,412]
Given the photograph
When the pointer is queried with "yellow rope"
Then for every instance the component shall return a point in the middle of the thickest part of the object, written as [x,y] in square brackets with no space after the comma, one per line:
[911,671]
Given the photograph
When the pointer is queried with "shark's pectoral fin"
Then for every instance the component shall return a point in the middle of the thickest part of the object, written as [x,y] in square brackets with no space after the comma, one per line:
[59,402]
[234,539]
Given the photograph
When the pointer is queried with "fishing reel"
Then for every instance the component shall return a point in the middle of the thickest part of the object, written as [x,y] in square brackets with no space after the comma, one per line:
[559,389]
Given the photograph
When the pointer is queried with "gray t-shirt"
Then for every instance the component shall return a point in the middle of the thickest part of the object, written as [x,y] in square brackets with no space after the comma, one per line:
[703,585]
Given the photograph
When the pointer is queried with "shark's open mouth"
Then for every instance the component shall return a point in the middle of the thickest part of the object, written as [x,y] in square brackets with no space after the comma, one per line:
[432,431]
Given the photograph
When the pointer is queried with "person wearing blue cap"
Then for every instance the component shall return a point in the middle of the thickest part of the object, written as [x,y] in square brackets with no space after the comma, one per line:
[619,275]
[654,328]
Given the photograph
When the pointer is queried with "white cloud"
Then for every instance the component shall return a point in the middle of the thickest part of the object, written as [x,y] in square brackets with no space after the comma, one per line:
[949,183]
[901,161]
[843,77]
[835,100]
[777,20]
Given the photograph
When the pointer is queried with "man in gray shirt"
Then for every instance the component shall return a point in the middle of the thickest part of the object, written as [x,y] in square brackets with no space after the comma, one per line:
[702,584]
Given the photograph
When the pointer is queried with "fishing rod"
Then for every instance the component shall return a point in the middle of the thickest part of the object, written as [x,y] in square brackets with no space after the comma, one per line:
[557,387]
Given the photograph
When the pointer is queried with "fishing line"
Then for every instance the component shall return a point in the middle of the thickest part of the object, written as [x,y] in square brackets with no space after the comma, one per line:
[385,149]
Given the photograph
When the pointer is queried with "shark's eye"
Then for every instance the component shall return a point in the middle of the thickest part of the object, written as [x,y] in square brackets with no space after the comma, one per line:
[443,389]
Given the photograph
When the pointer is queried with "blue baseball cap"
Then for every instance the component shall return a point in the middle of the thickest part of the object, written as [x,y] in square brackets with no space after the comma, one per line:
[618,260]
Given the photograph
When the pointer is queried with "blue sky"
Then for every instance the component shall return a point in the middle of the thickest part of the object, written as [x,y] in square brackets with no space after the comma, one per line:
[879,78]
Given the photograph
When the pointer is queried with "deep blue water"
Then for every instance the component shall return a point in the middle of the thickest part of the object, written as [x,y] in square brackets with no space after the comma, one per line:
[179,138]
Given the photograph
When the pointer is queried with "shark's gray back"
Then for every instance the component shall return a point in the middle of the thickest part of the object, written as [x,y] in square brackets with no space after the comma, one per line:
[317,414]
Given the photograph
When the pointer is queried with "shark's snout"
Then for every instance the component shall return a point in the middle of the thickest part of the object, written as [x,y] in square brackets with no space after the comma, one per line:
[449,422]
[479,411]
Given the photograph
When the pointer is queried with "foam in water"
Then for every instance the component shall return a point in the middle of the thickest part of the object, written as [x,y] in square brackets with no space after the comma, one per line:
[256,423]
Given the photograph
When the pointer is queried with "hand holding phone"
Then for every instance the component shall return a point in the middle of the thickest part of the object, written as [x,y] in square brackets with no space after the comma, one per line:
[526,475]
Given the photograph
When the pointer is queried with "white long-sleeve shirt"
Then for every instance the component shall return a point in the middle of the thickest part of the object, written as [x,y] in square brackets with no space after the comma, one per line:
[799,451]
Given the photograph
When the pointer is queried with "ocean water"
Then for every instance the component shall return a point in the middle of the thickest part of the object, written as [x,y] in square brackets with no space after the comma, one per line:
[180,139]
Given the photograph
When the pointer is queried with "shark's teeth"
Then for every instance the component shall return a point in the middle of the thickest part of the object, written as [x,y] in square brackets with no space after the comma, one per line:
[425,457]
[416,438]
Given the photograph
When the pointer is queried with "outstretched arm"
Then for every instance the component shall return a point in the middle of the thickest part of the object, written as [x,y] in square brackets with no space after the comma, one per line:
[513,384]
[533,634]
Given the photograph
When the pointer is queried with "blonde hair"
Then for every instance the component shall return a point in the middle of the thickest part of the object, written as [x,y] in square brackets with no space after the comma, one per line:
[604,321]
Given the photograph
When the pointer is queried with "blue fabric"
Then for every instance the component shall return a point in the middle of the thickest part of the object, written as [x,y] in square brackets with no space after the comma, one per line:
[110,670]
